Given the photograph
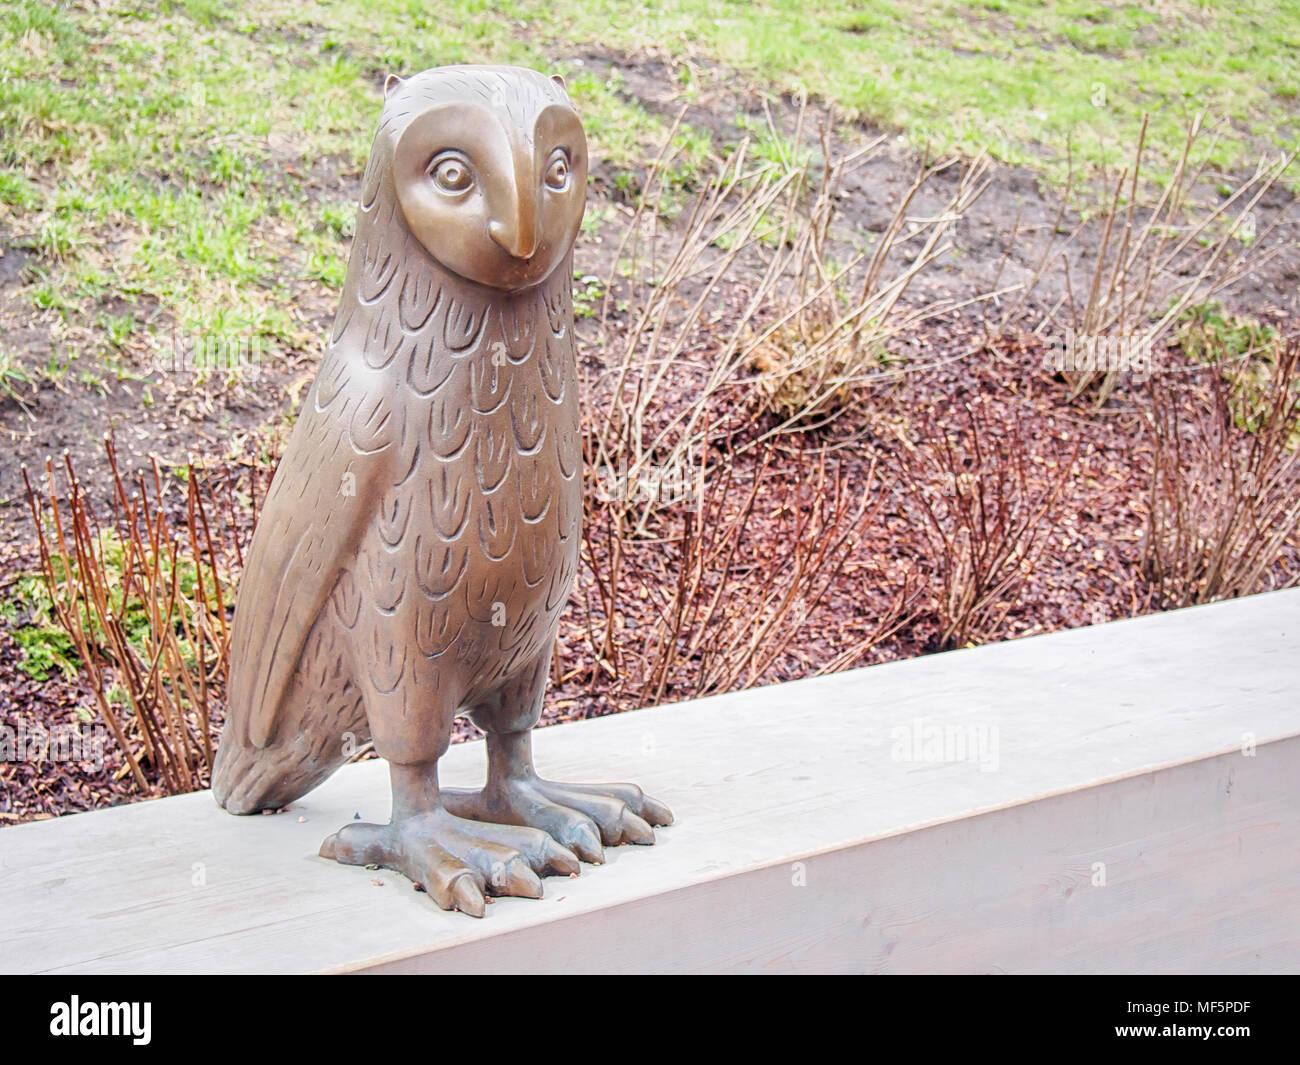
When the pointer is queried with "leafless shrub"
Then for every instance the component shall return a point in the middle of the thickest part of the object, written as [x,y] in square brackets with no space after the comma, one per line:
[1154,260]
[1224,501]
[145,600]
[980,519]
[812,330]
[827,327]
[738,300]
[753,557]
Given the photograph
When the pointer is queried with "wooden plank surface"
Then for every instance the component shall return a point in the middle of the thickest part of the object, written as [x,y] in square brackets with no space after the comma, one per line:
[939,814]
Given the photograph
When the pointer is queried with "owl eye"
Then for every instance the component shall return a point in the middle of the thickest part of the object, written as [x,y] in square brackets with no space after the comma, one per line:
[451,174]
[557,173]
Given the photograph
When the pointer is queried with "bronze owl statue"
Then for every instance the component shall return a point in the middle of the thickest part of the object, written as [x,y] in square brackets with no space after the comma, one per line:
[420,537]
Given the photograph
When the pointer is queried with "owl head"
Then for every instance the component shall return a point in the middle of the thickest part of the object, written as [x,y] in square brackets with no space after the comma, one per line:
[489,165]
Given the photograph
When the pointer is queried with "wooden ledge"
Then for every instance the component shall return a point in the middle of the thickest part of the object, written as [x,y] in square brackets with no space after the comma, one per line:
[1119,798]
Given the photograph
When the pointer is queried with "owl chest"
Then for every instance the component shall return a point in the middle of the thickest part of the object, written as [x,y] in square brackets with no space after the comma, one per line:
[487,517]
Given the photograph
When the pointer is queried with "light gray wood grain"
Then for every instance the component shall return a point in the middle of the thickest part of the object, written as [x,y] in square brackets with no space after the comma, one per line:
[1121,744]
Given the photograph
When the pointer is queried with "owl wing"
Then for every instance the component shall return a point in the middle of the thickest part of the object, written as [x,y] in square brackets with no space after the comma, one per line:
[322,498]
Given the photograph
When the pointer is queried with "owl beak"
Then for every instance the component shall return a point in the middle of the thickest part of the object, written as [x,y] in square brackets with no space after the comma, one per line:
[518,236]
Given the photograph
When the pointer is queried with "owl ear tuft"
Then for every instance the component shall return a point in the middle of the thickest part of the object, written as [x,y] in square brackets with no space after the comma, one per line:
[390,83]
[559,80]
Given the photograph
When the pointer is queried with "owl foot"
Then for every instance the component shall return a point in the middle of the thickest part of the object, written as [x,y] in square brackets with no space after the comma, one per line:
[577,816]
[458,862]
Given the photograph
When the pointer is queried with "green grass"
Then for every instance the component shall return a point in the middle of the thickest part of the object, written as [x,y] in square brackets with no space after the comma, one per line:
[1248,351]
[28,612]
[15,378]
[30,615]
[181,158]
[1019,79]
[1207,333]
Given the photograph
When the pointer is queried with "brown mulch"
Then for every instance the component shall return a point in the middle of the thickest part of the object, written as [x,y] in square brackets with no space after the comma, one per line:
[1089,573]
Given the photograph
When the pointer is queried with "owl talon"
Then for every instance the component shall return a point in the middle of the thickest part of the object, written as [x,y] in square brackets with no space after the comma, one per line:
[584,841]
[459,862]
[517,879]
[466,897]
[578,816]
[655,812]
[636,830]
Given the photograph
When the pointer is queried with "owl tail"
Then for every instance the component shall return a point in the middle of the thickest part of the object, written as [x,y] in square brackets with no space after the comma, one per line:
[247,779]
